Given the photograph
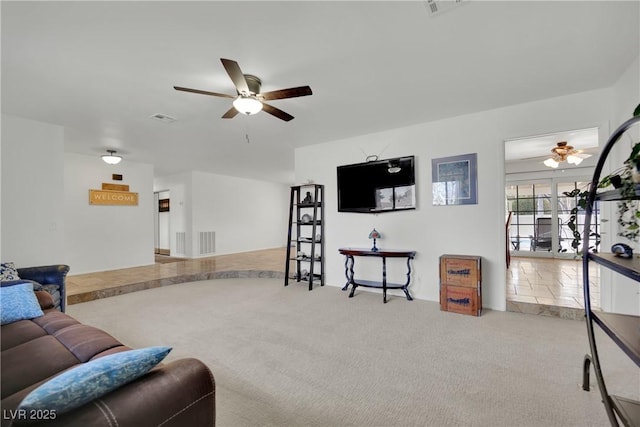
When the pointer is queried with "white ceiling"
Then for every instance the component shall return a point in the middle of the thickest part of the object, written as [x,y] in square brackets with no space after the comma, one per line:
[100,69]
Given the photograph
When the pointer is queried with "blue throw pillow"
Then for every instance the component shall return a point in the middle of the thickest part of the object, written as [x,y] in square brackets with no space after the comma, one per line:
[18,302]
[91,380]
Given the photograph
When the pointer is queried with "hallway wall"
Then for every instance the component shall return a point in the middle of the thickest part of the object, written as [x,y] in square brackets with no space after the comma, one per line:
[101,238]
[243,214]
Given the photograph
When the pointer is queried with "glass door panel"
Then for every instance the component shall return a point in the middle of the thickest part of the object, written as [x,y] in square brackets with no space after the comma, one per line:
[531,203]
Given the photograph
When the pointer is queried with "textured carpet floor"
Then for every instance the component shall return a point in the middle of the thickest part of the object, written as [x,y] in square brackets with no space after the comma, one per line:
[284,356]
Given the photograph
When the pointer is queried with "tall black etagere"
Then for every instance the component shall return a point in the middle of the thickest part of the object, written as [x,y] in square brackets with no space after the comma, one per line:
[623,329]
[305,240]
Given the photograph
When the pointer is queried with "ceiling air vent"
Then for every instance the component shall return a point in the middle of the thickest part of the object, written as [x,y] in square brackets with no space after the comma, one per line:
[437,7]
[163,118]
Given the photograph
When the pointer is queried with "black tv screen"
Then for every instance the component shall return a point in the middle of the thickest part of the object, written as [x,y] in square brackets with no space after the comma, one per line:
[377,186]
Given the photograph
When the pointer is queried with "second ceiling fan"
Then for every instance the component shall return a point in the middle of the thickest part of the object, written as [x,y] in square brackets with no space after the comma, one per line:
[248,99]
[563,152]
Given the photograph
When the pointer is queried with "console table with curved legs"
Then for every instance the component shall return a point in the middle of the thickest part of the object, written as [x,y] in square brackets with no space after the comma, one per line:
[349,262]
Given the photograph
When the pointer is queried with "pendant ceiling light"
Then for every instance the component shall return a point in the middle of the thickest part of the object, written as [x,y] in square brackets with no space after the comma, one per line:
[111,158]
[565,153]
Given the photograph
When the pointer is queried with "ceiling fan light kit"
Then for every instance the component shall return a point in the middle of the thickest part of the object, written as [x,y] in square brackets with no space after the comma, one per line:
[573,159]
[248,105]
[249,100]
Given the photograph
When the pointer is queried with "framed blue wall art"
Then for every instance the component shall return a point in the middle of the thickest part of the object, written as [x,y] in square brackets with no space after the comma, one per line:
[455,180]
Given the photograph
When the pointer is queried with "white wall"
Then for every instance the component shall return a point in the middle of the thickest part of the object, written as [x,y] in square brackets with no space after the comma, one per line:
[32,192]
[619,294]
[245,214]
[99,238]
[626,94]
[436,230]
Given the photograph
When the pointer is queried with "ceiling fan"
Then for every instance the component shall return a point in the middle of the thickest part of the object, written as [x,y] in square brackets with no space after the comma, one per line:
[565,153]
[248,99]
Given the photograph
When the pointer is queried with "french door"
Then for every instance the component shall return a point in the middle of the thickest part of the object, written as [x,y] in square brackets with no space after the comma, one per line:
[542,217]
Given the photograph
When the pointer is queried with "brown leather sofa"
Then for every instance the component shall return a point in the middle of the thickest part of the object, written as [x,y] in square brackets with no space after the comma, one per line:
[178,393]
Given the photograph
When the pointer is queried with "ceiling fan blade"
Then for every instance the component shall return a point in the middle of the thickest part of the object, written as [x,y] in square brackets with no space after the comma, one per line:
[535,157]
[233,69]
[230,114]
[203,92]
[276,112]
[286,93]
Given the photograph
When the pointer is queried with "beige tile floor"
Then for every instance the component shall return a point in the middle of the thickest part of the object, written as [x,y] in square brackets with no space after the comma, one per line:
[555,282]
[90,286]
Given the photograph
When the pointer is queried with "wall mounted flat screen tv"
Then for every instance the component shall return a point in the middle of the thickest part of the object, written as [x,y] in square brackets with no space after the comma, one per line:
[377,186]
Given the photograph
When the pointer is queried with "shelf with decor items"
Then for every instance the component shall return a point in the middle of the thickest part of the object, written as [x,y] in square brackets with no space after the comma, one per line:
[623,329]
[305,239]
[616,194]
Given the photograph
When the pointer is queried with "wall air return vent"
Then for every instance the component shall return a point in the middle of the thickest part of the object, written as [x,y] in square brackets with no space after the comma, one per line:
[207,242]
[438,7]
[163,118]
[181,242]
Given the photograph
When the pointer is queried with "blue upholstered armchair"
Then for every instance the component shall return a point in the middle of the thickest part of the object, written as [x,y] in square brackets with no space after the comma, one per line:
[51,278]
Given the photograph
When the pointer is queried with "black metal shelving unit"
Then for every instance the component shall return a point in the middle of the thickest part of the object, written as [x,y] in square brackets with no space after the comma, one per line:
[305,240]
[623,329]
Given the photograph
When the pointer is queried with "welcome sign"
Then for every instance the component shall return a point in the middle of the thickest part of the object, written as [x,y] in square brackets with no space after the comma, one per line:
[111,197]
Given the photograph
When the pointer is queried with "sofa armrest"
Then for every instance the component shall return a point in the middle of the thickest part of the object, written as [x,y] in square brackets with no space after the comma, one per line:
[49,275]
[176,394]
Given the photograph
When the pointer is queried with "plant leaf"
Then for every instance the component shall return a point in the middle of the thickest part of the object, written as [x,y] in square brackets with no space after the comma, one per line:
[634,152]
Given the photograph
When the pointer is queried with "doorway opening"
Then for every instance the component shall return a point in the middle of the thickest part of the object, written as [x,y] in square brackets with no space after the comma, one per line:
[161,219]
[545,270]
